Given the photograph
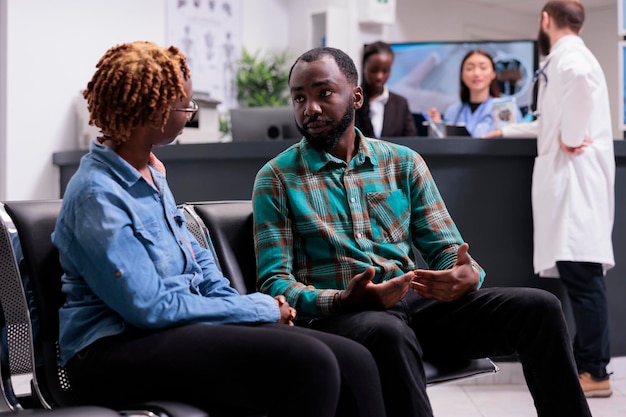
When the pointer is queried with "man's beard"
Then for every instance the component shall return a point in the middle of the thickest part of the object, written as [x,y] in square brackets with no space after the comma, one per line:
[543,42]
[329,142]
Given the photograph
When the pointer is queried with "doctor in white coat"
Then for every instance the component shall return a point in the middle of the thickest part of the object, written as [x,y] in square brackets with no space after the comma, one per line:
[573,183]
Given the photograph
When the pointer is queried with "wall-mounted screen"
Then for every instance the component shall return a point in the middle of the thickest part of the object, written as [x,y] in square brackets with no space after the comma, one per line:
[427,73]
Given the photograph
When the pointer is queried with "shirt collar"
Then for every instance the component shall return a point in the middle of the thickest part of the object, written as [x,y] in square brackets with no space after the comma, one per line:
[120,168]
[383,97]
[317,159]
[567,39]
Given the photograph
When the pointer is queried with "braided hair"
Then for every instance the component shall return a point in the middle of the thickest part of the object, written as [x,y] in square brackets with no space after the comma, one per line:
[134,85]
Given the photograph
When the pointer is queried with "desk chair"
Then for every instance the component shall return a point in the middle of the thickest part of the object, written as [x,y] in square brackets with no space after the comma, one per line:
[228,225]
[34,222]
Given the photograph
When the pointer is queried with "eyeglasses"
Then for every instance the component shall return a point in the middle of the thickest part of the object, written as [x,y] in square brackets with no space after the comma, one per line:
[191,111]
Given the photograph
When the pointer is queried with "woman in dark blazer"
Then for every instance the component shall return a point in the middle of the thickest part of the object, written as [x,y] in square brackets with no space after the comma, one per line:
[383,114]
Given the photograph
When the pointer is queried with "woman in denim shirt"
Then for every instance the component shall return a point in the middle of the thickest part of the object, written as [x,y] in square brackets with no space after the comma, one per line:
[148,315]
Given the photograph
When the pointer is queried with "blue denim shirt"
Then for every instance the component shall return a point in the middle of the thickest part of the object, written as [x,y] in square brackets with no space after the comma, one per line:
[129,260]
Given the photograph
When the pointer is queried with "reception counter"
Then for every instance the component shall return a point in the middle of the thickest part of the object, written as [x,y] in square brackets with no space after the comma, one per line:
[484,182]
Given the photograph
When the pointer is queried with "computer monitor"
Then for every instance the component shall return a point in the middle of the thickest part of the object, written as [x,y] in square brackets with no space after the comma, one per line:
[254,124]
[428,73]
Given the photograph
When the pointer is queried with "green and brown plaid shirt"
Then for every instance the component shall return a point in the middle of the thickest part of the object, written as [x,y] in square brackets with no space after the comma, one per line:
[319,221]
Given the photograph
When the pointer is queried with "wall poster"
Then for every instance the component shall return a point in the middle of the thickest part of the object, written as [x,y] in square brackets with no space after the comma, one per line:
[209,34]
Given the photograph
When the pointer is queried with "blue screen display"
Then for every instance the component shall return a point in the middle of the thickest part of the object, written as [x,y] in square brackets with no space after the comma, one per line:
[428,73]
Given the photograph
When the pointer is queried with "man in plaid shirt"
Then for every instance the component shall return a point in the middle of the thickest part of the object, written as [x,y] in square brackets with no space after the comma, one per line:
[336,219]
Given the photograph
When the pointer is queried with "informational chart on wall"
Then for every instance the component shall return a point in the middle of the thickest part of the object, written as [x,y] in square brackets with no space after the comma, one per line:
[209,33]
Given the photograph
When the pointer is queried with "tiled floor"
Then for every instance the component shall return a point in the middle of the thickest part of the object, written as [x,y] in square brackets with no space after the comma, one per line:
[501,395]
[512,399]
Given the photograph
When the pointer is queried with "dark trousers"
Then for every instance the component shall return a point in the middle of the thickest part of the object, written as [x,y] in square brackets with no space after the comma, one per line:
[586,289]
[487,322]
[271,369]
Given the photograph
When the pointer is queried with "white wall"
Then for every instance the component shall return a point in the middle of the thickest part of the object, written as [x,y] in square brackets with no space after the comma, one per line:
[343,35]
[600,35]
[52,50]
[265,25]
[48,52]
[456,20]
[3,97]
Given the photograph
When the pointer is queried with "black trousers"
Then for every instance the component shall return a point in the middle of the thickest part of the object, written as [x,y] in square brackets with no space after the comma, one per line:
[586,289]
[230,370]
[487,322]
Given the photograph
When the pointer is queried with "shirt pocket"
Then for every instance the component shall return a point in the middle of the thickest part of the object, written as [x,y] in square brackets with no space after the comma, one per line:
[390,216]
[156,243]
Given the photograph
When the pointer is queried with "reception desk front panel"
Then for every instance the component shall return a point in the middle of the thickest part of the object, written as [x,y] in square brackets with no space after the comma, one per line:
[484,182]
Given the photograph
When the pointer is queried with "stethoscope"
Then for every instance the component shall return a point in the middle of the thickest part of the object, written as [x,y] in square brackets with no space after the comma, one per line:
[540,74]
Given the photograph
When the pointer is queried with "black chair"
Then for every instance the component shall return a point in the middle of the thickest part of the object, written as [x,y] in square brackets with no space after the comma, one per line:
[16,346]
[17,329]
[225,227]
[34,221]
[228,226]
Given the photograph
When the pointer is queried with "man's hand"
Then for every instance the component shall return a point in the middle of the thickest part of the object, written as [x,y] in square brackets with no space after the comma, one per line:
[493,134]
[449,284]
[287,314]
[363,294]
[575,150]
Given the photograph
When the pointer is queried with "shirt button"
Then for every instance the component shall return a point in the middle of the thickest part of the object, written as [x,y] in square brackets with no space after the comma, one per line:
[118,273]
[358,235]
[352,200]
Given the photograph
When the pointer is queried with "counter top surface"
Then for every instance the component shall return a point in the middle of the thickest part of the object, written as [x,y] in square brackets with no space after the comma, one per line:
[268,149]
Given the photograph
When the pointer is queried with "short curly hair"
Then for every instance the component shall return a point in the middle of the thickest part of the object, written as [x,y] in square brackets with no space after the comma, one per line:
[343,60]
[135,85]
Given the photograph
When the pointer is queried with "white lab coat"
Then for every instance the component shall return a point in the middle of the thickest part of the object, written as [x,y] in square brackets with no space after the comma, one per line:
[572,195]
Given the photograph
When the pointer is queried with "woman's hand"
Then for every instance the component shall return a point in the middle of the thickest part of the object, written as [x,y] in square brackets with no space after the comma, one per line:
[493,134]
[434,115]
[287,314]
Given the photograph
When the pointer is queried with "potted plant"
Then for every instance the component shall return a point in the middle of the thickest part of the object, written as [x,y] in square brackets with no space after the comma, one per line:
[261,79]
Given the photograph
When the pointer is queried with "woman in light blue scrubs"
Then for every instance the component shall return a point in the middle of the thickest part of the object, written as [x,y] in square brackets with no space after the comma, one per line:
[478,88]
